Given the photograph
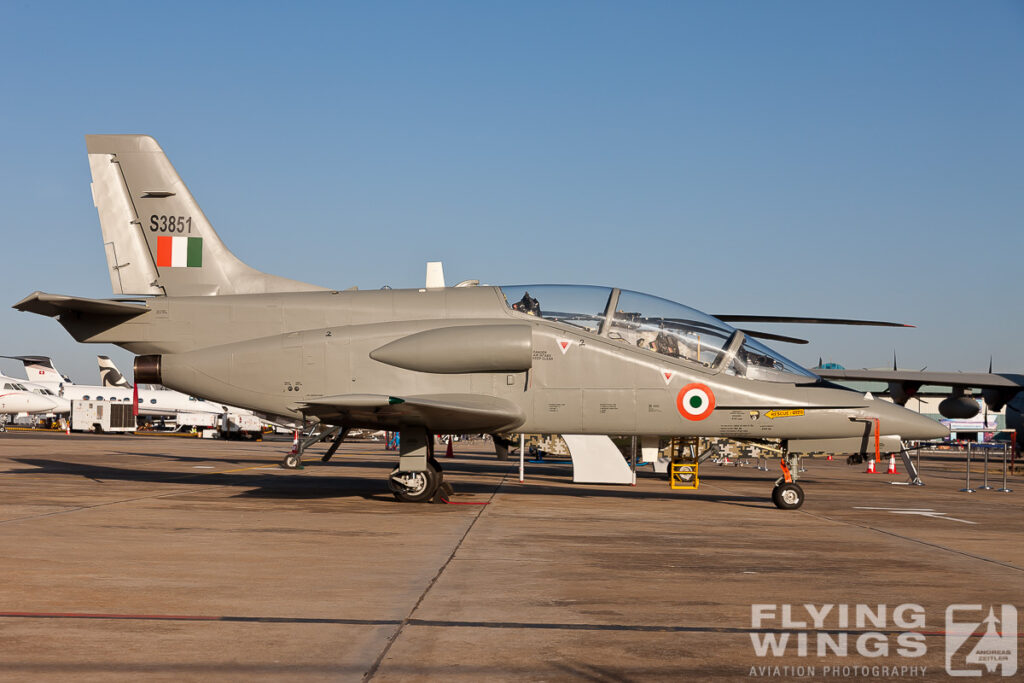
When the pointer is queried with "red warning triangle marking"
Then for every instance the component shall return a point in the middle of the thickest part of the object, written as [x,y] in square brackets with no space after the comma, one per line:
[667,375]
[563,345]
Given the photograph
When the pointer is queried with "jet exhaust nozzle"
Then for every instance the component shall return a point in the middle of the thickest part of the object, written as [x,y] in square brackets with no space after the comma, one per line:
[147,370]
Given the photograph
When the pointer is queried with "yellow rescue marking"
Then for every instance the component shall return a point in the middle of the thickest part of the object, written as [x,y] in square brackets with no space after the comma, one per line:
[772,414]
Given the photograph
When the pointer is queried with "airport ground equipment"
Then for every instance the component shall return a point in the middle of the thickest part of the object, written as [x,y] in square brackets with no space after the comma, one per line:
[435,360]
[229,425]
[683,472]
[102,416]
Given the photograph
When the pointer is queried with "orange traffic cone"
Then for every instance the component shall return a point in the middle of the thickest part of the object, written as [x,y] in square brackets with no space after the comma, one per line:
[829,457]
[871,466]
[892,465]
[67,428]
[295,442]
[448,453]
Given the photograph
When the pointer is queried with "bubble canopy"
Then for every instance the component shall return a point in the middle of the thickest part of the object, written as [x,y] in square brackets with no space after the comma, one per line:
[659,326]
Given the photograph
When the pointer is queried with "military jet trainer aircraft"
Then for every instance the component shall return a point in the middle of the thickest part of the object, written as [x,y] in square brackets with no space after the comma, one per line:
[538,359]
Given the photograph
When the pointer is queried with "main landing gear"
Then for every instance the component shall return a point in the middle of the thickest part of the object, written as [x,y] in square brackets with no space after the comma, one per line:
[418,477]
[787,494]
[416,487]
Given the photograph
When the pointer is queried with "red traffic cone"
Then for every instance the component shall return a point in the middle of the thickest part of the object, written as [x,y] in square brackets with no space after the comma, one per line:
[829,457]
[892,465]
[67,427]
[295,442]
[448,453]
[871,466]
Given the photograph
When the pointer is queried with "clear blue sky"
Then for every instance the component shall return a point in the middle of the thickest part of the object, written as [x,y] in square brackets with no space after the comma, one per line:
[859,159]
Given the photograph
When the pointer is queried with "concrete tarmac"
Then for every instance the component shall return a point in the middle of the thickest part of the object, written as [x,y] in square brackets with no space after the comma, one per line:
[178,559]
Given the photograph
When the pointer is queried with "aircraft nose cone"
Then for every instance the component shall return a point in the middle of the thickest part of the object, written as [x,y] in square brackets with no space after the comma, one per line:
[894,419]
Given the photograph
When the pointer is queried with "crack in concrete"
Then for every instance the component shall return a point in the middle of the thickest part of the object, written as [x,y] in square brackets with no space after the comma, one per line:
[372,671]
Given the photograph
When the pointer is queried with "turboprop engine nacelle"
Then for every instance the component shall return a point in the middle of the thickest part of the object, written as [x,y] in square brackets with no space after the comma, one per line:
[996,399]
[901,392]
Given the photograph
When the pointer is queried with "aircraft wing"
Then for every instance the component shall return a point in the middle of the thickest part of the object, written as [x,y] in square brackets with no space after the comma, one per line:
[53,305]
[440,413]
[981,380]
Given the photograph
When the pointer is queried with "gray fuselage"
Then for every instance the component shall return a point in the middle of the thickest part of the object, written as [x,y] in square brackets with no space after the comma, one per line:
[277,352]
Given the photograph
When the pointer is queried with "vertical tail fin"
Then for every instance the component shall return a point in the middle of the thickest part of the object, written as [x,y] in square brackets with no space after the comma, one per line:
[40,369]
[157,239]
[110,376]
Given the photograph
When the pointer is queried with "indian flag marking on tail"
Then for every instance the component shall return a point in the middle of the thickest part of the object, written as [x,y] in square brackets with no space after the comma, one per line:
[695,401]
[179,252]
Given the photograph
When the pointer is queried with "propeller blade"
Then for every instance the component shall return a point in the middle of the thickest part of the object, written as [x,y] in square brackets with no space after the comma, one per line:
[774,337]
[730,318]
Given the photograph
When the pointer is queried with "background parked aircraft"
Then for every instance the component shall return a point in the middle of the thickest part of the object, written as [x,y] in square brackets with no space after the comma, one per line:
[16,398]
[40,371]
[997,389]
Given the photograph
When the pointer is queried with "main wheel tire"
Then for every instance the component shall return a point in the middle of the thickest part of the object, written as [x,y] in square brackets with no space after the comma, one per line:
[414,487]
[788,496]
[291,462]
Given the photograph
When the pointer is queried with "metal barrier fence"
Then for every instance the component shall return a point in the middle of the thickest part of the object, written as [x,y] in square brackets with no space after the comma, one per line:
[985,449]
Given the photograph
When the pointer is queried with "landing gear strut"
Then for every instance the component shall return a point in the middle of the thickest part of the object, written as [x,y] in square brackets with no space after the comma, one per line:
[418,477]
[787,494]
[293,460]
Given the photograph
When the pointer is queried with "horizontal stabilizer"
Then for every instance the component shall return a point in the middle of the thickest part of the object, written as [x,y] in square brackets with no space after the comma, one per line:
[54,305]
[440,413]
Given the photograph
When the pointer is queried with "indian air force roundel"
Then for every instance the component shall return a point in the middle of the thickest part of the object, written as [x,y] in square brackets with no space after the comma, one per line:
[695,401]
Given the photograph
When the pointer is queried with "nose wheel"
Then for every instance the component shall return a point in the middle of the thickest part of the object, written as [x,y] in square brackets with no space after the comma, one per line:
[788,496]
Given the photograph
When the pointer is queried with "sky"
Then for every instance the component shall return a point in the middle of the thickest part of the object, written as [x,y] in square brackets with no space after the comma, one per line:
[847,159]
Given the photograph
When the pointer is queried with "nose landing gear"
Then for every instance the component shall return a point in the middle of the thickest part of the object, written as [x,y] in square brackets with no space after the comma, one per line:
[787,494]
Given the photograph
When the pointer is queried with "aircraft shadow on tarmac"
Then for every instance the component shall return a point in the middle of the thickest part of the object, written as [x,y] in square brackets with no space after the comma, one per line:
[193,458]
[270,484]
